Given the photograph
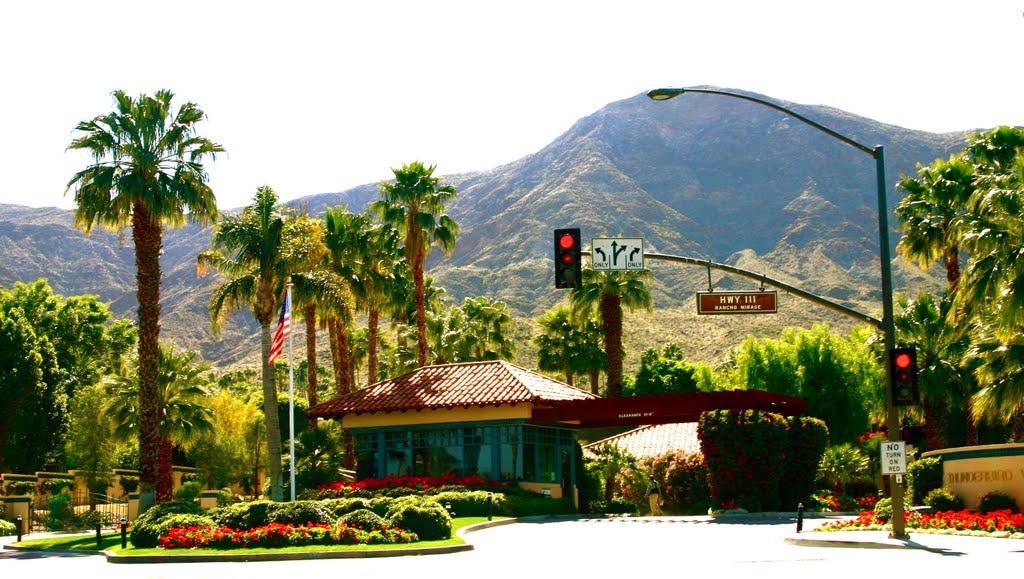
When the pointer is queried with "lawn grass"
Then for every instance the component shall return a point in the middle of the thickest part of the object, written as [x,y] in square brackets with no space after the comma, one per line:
[112,542]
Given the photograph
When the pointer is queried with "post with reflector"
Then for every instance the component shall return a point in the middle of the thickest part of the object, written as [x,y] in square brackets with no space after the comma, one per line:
[568,256]
[903,372]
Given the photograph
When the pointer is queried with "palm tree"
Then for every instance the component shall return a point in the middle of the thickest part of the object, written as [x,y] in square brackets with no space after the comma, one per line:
[383,275]
[249,250]
[147,172]
[184,418]
[346,235]
[414,203]
[1000,370]
[608,292]
[929,210]
[942,377]
[488,326]
[569,344]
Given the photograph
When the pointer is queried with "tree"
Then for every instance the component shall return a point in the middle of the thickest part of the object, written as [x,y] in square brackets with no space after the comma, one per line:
[147,172]
[90,444]
[384,274]
[928,213]
[568,344]
[943,378]
[181,403]
[608,292]
[414,203]
[665,373]
[248,250]
[999,363]
[488,326]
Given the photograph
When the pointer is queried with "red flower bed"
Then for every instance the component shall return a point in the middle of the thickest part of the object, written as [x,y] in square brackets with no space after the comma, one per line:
[965,520]
[414,482]
[277,535]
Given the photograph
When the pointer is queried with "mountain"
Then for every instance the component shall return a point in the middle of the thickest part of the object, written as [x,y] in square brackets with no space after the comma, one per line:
[700,176]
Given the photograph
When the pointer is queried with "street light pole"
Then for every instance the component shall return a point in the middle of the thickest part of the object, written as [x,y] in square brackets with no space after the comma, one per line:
[886,323]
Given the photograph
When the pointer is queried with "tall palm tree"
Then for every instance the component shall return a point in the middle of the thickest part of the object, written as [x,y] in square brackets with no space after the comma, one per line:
[942,376]
[1000,370]
[928,212]
[383,275]
[346,235]
[147,172]
[608,292]
[184,417]
[488,325]
[414,203]
[249,250]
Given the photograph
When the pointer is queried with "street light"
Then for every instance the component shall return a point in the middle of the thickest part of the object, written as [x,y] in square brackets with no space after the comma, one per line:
[886,323]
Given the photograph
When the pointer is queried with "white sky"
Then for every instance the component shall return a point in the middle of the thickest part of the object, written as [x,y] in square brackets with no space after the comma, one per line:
[313,97]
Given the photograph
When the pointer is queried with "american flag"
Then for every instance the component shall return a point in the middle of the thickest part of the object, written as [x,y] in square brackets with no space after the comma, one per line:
[284,328]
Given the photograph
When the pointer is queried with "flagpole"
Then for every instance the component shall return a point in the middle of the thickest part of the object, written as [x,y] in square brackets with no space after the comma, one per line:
[291,406]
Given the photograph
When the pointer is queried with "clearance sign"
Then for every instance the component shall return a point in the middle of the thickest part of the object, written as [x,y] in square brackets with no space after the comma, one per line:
[763,302]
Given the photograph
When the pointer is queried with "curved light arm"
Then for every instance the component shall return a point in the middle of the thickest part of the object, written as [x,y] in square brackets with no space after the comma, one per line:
[664,94]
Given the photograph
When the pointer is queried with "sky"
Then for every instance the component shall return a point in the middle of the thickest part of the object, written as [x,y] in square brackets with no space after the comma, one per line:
[313,97]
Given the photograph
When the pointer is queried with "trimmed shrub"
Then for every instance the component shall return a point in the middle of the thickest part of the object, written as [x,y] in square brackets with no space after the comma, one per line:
[429,521]
[923,476]
[943,499]
[997,501]
[612,507]
[883,508]
[145,532]
[188,491]
[341,507]
[245,515]
[471,503]
[20,487]
[89,519]
[684,482]
[299,513]
[744,452]
[162,527]
[806,441]
[61,513]
[7,528]
[363,519]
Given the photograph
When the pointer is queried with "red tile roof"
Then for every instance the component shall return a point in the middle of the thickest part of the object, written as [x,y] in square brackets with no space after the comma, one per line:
[654,440]
[491,383]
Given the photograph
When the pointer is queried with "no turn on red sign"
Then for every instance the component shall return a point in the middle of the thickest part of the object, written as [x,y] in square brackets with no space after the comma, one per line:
[894,457]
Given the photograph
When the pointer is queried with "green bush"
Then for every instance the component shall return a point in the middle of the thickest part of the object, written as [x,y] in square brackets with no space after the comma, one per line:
[244,515]
[943,499]
[472,503]
[997,501]
[7,528]
[923,476]
[188,491]
[299,513]
[61,513]
[807,439]
[429,521]
[145,532]
[20,487]
[883,508]
[129,483]
[524,506]
[612,507]
[56,485]
[362,518]
[684,483]
[341,507]
[744,452]
[164,525]
[89,519]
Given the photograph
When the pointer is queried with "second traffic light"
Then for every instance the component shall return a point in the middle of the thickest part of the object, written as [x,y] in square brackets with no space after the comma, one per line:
[568,256]
[903,376]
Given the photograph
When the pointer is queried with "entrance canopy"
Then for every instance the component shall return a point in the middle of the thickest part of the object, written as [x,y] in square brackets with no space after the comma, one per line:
[663,408]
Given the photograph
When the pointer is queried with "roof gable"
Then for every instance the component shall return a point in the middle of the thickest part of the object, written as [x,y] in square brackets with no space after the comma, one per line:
[490,383]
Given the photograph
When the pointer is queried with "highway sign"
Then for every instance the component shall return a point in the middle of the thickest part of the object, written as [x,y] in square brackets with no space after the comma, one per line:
[762,302]
[616,253]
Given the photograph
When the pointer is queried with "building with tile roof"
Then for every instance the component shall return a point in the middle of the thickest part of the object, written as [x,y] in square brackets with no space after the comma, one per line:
[653,440]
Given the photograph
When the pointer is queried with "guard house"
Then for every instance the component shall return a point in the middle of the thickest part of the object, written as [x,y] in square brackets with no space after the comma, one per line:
[503,422]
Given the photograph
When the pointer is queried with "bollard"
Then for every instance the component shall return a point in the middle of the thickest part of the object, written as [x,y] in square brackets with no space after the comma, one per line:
[490,505]
[799,517]
[124,533]
[99,536]
[18,522]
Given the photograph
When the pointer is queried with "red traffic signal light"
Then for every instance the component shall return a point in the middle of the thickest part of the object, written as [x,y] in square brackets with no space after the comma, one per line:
[903,376]
[568,256]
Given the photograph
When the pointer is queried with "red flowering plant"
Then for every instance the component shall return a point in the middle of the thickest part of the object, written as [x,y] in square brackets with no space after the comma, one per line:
[276,535]
[414,483]
[1004,522]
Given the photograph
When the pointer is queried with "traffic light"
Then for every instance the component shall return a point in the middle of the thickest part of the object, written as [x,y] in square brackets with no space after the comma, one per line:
[568,270]
[903,374]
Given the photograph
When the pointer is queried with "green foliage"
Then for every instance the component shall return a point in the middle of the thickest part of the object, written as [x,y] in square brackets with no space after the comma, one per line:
[883,508]
[189,491]
[129,483]
[997,501]
[843,464]
[744,453]
[61,513]
[7,528]
[943,499]
[666,373]
[612,507]
[244,515]
[146,528]
[299,513]
[89,519]
[362,518]
[90,444]
[19,487]
[56,485]
[472,503]
[837,377]
[923,476]
[340,507]
[429,521]
[684,481]
[806,443]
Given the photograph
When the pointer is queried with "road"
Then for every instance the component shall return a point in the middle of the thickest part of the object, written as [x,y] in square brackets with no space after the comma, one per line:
[667,547]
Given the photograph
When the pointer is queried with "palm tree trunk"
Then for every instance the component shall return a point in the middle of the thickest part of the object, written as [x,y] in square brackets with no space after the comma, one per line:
[421,308]
[1018,425]
[270,414]
[311,394]
[972,424]
[935,425]
[594,377]
[332,336]
[952,262]
[147,237]
[165,467]
[611,320]
[569,377]
[372,325]
[340,356]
